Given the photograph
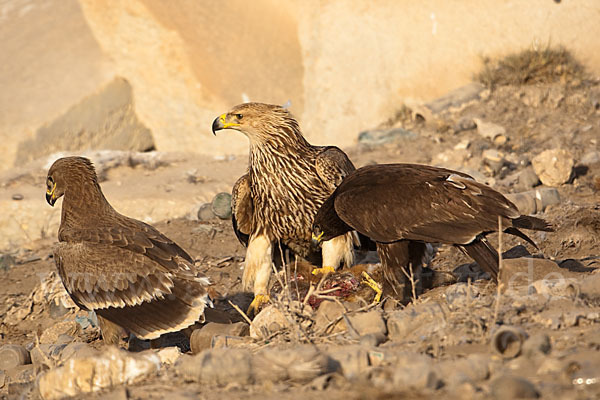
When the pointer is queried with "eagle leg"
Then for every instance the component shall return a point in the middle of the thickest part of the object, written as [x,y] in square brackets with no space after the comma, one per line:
[323,271]
[257,270]
[258,301]
[335,251]
[373,285]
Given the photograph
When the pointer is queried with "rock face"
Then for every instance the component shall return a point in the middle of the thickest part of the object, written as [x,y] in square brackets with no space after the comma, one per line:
[106,120]
[185,66]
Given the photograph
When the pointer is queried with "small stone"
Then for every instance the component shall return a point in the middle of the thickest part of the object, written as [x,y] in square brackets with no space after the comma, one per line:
[518,274]
[353,360]
[494,160]
[464,124]
[69,327]
[590,158]
[108,368]
[365,323]
[300,364]
[378,137]
[221,205]
[13,355]
[524,179]
[17,196]
[590,287]
[269,320]
[202,338]
[7,262]
[553,167]
[489,130]
[328,312]
[512,387]
[462,145]
[169,355]
[416,320]
[507,341]
[457,97]
[205,212]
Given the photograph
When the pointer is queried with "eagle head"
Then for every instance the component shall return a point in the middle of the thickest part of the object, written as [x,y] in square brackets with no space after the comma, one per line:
[260,122]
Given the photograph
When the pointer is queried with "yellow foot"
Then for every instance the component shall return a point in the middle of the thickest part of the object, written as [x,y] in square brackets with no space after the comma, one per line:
[322,271]
[373,285]
[258,301]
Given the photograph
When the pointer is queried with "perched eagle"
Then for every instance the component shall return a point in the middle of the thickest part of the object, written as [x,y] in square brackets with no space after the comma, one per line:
[404,206]
[123,269]
[275,202]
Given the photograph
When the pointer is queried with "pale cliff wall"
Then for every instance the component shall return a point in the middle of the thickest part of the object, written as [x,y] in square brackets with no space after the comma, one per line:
[346,65]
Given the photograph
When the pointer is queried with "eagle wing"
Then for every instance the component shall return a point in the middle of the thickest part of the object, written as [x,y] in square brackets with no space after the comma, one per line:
[242,209]
[132,275]
[417,202]
[333,165]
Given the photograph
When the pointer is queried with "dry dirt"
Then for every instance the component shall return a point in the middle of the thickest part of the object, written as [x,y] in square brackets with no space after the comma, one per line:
[535,118]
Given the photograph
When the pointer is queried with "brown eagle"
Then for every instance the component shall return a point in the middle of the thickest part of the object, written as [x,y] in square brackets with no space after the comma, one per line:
[275,202]
[404,206]
[123,269]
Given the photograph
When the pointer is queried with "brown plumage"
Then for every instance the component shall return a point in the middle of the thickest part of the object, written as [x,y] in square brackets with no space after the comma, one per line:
[123,269]
[287,181]
[404,206]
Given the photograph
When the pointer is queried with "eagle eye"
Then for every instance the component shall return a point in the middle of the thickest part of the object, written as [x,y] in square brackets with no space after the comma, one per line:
[239,116]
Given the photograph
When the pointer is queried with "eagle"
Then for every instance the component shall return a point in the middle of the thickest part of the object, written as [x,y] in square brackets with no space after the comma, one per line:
[125,270]
[403,207]
[275,201]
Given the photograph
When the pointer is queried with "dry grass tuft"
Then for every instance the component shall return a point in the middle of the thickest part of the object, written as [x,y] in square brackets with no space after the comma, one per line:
[527,67]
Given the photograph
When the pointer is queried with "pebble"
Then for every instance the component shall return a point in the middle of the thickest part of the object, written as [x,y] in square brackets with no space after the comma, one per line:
[538,344]
[105,369]
[416,320]
[221,205]
[68,327]
[490,130]
[534,201]
[378,137]
[464,124]
[18,196]
[169,355]
[507,341]
[353,360]
[365,323]
[13,355]
[7,262]
[523,180]
[554,167]
[512,387]
[205,212]
[327,312]
[494,160]
[457,97]
[300,364]
[269,320]
[409,371]
[472,368]
[202,339]
[518,274]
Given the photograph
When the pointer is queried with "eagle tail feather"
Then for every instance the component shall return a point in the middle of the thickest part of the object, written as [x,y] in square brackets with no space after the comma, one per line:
[484,254]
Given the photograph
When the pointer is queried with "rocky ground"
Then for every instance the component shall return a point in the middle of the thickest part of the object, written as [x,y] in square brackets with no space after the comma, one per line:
[534,335]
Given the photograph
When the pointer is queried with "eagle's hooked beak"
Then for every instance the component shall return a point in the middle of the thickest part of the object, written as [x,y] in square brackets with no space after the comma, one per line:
[316,240]
[221,123]
[50,198]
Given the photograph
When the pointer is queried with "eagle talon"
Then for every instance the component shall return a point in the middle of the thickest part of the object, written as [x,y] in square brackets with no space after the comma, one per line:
[258,301]
[373,285]
[323,271]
